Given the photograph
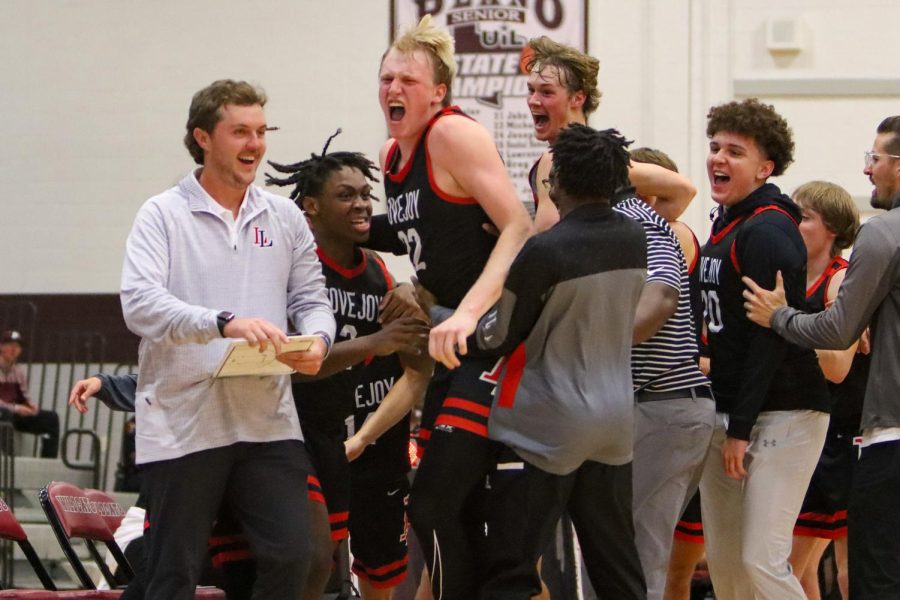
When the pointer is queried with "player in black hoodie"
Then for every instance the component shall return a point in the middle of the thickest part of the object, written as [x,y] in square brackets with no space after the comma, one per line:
[772,402]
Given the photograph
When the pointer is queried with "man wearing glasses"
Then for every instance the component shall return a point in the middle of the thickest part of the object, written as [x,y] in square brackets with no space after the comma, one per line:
[873,277]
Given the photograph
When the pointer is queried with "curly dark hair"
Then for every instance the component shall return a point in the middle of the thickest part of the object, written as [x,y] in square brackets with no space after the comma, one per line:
[590,164]
[309,176]
[759,122]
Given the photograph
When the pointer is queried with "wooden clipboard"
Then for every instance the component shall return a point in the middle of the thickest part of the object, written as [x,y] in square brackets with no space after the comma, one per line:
[242,359]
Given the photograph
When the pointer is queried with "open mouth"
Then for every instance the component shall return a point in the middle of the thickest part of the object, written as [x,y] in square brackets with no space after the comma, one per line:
[719,178]
[396,112]
[247,160]
[361,224]
[540,120]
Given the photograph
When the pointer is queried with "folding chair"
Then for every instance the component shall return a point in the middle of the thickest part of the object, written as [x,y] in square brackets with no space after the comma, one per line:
[10,529]
[107,507]
[72,514]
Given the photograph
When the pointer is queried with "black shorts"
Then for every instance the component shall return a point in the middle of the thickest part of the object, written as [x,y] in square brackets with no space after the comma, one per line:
[329,459]
[824,511]
[378,530]
[460,398]
[690,526]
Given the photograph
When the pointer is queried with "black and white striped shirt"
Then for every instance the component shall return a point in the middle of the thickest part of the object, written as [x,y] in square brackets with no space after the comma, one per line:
[667,361]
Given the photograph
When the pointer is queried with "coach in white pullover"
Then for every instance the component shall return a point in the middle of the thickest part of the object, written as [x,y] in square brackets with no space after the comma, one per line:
[211,258]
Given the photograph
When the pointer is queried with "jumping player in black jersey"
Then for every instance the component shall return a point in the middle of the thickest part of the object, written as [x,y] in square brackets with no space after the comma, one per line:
[772,402]
[375,370]
[830,222]
[444,179]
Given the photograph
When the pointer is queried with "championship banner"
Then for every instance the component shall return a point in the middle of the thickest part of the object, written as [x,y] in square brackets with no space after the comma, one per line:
[490,85]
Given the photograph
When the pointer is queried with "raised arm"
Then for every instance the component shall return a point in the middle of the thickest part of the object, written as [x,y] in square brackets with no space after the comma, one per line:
[672,190]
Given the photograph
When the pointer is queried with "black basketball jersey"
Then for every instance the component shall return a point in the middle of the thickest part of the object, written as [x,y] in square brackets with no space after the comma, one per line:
[754,370]
[848,395]
[346,399]
[443,234]
[533,182]
[696,296]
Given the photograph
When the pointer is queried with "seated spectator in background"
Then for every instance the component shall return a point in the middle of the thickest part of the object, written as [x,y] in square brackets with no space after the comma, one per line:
[16,405]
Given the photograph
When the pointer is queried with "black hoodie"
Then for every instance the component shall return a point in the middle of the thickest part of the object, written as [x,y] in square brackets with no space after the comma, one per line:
[752,368]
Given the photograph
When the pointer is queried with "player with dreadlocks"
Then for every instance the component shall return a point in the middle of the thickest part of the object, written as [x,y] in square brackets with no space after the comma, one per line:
[376,370]
[564,403]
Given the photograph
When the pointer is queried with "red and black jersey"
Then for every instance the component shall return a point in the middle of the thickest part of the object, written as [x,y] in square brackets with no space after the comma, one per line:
[533,182]
[816,294]
[443,234]
[752,368]
[847,396]
[328,404]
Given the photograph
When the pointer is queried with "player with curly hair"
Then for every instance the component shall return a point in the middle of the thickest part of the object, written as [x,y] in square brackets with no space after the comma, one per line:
[772,401]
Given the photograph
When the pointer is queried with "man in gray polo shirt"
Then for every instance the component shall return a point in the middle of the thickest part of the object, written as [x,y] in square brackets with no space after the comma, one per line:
[870,295]
[216,257]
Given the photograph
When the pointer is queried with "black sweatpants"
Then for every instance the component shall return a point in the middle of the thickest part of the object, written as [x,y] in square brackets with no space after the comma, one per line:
[45,423]
[873,521]
[263,484]
[524,505]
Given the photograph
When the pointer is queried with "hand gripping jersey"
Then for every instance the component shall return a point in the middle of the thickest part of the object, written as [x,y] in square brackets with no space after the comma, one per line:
[328,404]
[442,233]
[847,396]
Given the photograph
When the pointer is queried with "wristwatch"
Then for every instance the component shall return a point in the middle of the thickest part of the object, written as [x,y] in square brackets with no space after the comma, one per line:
[222,319]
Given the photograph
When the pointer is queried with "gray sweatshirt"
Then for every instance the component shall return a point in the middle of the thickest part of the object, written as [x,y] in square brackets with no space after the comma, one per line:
[869,295]
[182,267]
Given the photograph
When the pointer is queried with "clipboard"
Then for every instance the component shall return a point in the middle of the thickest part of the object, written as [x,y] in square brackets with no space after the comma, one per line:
[243,359]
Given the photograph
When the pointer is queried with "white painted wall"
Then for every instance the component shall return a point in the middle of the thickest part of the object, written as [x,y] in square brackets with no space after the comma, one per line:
[94,95]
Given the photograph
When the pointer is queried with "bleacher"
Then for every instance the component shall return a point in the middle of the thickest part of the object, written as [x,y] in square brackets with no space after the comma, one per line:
[29,474]
[89,444]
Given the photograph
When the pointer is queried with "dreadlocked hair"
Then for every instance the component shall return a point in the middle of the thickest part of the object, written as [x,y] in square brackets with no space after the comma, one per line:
[590,164]
[309,176]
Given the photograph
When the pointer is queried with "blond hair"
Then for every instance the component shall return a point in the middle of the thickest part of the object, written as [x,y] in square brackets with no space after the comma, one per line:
[577,70]
[654,157]
[836,207]
[437,43]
